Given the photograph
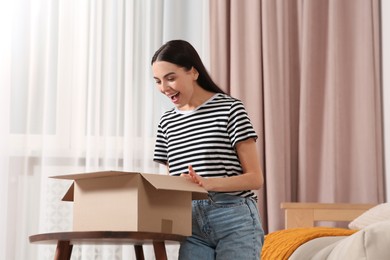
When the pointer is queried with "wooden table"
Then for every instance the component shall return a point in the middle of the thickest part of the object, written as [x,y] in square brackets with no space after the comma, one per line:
[66,240]
[300,214]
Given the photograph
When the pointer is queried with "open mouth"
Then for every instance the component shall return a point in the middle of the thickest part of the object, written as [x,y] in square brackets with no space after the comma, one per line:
[174,97]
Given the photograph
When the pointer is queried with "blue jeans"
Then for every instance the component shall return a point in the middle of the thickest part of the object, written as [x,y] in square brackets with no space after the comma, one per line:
[224,227]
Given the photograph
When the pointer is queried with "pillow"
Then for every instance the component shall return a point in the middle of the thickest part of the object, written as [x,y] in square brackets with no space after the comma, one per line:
[376,214]
[370,243]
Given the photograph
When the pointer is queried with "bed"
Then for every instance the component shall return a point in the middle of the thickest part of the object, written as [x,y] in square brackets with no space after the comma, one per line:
[310,234]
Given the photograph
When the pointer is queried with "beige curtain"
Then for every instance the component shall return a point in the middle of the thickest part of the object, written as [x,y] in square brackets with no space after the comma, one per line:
[309,74]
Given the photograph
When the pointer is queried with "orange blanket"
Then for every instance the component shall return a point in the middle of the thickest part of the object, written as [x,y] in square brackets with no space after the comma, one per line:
[281,244]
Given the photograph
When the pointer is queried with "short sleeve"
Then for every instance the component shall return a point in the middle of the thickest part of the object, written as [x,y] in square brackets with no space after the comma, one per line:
[240,127]
[161,146]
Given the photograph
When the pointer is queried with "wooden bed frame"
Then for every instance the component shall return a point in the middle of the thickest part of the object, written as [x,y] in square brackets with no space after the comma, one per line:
[306,214]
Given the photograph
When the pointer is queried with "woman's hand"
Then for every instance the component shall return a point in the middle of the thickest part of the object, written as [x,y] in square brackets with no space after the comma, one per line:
[195,178]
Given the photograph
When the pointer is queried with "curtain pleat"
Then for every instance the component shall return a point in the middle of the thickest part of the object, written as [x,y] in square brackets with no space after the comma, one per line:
[311,73]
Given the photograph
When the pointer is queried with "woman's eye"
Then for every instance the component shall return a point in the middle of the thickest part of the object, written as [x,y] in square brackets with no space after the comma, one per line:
[171,79]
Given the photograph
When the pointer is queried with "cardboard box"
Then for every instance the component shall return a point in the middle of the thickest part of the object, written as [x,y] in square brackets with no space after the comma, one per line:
[130,201]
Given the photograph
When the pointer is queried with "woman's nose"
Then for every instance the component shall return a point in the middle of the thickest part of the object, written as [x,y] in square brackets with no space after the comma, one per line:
[164,86]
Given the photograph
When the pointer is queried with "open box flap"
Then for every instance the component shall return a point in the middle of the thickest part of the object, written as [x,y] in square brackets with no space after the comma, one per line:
[166,182]
[69,195]
[79,176]
[159,181]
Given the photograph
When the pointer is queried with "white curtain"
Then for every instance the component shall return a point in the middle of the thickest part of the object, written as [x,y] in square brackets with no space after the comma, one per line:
[77,95]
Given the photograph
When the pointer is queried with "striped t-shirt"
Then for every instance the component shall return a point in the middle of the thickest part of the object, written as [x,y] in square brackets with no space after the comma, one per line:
[205,138]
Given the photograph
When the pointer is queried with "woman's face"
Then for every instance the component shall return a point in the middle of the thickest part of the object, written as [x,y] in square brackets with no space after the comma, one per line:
[175,82]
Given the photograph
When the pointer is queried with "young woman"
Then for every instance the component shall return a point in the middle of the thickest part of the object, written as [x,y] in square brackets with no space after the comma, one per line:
[208,138]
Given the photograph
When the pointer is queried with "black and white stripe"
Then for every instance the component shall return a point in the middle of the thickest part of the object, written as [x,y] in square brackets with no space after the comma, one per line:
[205,138]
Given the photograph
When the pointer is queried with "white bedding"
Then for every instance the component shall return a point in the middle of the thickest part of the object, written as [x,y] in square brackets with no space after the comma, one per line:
[312,247]
[370,243]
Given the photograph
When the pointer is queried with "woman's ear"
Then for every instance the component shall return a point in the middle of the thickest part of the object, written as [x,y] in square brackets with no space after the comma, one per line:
[195,73]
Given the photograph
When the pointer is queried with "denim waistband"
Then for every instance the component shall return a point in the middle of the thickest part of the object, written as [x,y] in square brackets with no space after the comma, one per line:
[220,196]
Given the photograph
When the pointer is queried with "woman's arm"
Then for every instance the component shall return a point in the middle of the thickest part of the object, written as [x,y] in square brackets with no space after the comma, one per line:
[251,179]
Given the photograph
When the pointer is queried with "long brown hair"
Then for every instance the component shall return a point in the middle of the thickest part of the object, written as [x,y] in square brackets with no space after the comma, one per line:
[183,54]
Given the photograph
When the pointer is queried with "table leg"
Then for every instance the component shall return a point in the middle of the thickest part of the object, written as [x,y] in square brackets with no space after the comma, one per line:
[63,250]
[159,250]
[139,252]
